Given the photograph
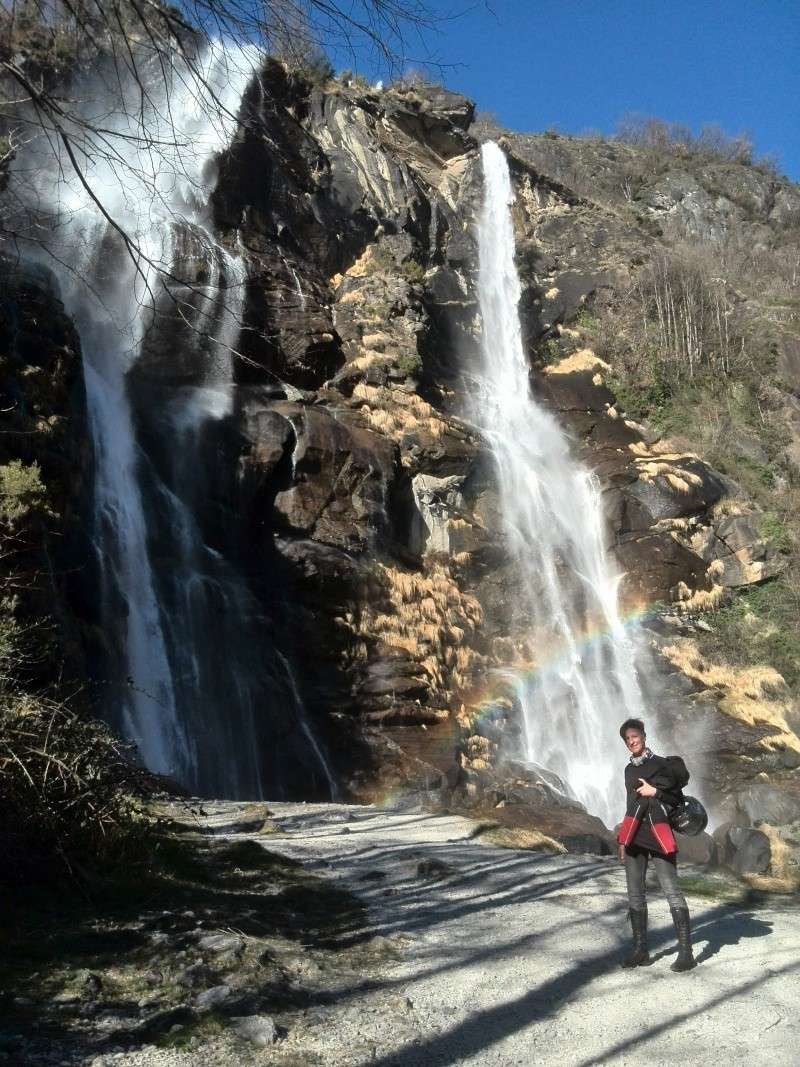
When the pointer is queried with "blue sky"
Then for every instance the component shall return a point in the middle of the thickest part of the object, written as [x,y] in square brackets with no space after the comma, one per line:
[582,64]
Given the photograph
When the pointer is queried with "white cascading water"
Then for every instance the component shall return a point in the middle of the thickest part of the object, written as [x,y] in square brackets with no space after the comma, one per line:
[188,657]
[160,176]
[583,680]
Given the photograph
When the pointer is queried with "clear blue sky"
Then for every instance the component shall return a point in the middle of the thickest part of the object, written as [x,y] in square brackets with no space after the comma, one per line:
[582,64]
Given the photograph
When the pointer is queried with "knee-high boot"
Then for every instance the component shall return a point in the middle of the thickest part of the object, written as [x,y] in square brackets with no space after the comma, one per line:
[639,955]
[685,960]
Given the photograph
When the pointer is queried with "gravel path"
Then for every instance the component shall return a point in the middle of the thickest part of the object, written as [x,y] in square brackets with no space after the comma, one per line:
[486,956]
[504,957]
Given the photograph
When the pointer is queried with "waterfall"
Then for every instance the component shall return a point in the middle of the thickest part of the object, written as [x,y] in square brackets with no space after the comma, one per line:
[582,682]
[157,301]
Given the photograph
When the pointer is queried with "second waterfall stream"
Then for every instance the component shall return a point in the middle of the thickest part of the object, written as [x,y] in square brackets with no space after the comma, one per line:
[583,681]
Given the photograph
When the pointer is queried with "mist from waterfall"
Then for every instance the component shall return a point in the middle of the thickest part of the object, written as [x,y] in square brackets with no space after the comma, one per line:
[582,682]
[188,678]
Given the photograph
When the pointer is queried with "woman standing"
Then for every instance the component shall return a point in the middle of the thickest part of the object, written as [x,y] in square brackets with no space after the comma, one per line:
[645,834]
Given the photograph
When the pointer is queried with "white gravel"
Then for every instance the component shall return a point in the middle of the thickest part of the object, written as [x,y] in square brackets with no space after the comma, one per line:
[506,958]
[513,958]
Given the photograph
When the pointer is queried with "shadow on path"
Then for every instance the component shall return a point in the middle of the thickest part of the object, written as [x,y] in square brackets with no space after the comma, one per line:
[610,1054]
[486,1028]
[720,931]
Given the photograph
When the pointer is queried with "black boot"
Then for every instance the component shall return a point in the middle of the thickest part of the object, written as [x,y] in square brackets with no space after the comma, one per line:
[639,955]
[685,960]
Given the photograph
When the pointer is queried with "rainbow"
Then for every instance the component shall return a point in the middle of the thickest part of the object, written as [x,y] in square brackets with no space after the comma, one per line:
[482,703]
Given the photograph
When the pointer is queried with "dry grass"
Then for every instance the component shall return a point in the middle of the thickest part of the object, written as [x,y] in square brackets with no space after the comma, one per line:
[426,614]
[517,837]
[783,874]
[691,602]
[744,693]
[395,413]
[583,360]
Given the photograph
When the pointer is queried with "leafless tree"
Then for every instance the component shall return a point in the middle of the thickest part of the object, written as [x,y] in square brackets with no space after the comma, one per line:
[687,316]
[138,49]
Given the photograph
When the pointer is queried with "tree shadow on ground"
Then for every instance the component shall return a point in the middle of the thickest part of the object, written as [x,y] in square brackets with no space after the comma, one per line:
[68,959]
[483,1029]
[610,1055]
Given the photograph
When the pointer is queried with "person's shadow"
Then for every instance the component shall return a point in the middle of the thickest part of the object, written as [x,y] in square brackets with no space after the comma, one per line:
[719,931]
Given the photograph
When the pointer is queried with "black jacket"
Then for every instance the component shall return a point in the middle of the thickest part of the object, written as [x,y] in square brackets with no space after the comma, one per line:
[660,772]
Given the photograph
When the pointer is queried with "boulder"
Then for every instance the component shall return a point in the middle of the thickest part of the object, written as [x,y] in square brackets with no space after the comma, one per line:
[217,944]
[735,542]
[587,844]
[259,1030]
[725,847]
[752,853]
[689,487]
[434,868]
[763,802]
[213,998]
[700,849]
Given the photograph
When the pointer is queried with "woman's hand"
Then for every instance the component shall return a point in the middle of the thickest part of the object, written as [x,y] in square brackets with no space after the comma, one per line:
[645,789]
[621,853]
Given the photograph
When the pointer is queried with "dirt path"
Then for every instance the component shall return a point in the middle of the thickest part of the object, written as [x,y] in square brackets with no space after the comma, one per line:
[505,957]
[454,953]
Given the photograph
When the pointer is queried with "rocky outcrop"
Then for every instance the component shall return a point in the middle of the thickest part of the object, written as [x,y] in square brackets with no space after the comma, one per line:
[357,470]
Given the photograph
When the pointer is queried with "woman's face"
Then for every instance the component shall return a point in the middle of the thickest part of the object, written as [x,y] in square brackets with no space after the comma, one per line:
[634,742]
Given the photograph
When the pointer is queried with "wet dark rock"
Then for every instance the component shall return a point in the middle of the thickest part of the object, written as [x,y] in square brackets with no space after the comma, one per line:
[343,479]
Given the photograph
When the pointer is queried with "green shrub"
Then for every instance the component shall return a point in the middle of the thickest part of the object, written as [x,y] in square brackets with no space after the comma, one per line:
[413,271]
[410,364]
[550,351]
[760,625]
[381,260]
[646,398]
[774,530]
[21,491]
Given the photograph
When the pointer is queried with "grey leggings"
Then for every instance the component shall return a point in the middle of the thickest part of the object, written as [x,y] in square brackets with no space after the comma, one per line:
[636,860]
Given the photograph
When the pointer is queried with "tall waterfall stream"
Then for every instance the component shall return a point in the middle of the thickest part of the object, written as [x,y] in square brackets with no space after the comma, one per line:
[190,682]
[583,680]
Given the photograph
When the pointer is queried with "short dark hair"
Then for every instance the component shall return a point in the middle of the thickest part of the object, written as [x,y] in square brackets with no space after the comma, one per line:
[632,724]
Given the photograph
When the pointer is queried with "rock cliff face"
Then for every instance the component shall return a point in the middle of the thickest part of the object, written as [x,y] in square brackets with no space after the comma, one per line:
[362,504]
[360,481]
